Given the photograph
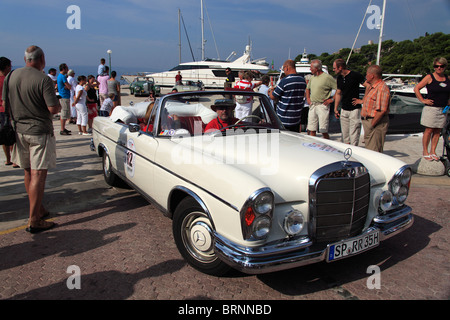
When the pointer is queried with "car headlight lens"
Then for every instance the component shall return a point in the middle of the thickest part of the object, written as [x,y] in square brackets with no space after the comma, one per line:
[402,195]
[406,177]
[398,189]
[386,200]
[256,215]
[399,185]
[261,227]
[294,222]
[263,203]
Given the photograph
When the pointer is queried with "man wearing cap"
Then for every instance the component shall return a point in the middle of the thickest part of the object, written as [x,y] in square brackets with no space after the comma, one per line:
[224,109]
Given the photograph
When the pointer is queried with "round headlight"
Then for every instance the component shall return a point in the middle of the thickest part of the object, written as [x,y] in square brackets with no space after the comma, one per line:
[386,200]
[261,227]
[263,203]
[402,195]
[294,222]
[406,177]
[396,185]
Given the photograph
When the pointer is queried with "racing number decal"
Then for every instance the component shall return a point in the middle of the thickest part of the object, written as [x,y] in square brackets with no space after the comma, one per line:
[130,159]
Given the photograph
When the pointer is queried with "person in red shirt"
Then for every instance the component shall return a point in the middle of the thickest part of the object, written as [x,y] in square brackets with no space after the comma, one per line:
[224,109]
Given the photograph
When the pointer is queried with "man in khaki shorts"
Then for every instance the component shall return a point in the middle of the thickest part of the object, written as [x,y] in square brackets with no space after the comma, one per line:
[33,102]
[319,97]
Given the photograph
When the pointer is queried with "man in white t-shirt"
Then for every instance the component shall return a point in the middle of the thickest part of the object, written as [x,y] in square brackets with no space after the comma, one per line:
[73,83]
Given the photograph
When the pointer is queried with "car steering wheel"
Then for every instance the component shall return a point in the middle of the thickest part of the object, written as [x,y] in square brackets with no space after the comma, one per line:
[249,116]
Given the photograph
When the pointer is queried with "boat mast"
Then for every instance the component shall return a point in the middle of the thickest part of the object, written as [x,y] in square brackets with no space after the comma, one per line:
[381,33]
[203,31]
[179,34]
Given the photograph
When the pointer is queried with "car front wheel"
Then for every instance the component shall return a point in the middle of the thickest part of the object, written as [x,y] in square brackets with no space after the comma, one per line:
[194,238]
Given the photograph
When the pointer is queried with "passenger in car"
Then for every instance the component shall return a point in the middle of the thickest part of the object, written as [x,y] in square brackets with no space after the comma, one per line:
[224,109]
[144,122]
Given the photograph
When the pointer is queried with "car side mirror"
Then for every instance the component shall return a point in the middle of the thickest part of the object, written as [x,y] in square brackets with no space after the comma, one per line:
[134,127]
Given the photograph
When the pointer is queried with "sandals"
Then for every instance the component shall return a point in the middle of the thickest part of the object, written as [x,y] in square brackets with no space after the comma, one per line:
[431,157]
[434,157]
[40,226]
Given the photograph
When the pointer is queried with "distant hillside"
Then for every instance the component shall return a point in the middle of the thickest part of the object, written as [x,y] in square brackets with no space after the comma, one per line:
[406,57]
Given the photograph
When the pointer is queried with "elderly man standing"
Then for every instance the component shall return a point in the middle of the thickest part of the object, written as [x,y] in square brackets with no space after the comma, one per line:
[33,102]
[375,109]
[319,97]
[289,97]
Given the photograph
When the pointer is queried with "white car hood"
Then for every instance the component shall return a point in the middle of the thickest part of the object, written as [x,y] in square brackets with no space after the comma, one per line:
[282,161]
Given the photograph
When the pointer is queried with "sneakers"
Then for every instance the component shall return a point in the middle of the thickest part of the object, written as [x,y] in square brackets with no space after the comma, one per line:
[87,134]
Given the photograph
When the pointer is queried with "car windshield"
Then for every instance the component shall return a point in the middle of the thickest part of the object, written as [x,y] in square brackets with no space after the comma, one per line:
[212,112]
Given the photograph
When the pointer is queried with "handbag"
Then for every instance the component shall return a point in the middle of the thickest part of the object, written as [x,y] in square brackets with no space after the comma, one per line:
[7,132]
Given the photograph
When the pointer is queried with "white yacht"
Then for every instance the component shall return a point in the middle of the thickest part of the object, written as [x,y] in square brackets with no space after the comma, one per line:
[210,72]
[303,66]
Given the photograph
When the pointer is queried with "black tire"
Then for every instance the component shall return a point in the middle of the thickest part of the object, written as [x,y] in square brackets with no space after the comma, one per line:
[190,220]
[110,177]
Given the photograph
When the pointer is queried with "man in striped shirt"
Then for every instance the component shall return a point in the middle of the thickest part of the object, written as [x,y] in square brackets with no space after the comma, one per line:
[289,97]
[375,109]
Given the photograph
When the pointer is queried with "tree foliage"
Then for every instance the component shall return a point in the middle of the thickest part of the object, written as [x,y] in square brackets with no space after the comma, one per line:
[405,57]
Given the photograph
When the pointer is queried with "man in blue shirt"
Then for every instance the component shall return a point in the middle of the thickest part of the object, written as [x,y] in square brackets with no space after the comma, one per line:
[289,97]
[64,93]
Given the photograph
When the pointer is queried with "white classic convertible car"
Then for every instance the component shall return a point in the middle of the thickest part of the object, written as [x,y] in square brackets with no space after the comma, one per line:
[245,193]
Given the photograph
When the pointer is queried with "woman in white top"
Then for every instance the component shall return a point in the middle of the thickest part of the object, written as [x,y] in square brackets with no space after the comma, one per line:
[80,104]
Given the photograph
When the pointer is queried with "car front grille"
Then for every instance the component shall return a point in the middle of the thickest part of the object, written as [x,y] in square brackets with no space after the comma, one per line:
[339,201]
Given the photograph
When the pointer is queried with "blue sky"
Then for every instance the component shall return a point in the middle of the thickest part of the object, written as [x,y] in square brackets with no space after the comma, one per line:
[143,34]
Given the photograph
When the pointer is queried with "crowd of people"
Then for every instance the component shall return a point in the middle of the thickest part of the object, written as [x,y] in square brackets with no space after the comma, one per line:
[29,99]
[84,98]
[369,114]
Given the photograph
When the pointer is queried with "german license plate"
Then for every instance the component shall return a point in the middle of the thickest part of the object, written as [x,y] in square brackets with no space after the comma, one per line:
[353,246]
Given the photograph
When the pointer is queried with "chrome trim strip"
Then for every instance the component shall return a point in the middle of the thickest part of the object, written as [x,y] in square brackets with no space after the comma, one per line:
[393,216]
[174,174]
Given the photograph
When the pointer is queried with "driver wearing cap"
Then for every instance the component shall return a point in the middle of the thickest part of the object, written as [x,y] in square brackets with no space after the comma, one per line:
[224,109]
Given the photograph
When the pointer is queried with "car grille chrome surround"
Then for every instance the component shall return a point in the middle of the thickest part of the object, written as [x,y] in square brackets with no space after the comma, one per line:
[339,196]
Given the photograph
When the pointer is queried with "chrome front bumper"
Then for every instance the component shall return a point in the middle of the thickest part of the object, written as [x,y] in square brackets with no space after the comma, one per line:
[301,251]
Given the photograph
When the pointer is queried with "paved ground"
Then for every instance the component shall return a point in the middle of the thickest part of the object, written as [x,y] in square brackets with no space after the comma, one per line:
[124,248]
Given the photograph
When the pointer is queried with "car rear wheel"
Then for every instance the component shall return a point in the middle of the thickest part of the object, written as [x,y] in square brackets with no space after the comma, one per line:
[110,177]
[192,231]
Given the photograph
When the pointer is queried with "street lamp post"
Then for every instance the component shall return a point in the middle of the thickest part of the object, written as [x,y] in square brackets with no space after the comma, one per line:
[109,55]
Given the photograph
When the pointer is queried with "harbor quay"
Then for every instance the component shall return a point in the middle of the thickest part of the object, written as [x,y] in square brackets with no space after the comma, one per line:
[110,243]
